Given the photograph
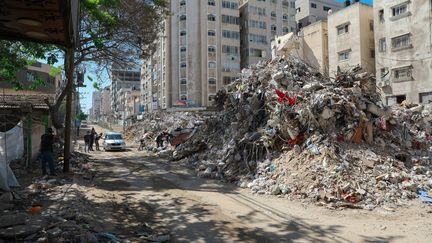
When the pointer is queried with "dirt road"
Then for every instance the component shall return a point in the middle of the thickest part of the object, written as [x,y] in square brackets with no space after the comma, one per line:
[197,210]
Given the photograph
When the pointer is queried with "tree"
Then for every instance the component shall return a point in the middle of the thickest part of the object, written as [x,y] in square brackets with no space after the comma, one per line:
[82,116]
[111,31]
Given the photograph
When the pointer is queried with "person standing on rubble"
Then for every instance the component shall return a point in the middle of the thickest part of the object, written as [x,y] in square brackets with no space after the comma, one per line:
[47,151]
[159,140]
[87,142]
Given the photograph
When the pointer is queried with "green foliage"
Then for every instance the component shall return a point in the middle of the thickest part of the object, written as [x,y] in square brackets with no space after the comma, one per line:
[82,116]
[96,86]
[55,71]
[17,55]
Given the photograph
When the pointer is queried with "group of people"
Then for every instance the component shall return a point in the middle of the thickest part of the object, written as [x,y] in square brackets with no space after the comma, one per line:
[164,136]
[92,137]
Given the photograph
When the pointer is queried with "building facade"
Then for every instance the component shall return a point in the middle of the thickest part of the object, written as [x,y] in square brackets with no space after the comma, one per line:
[129,100]
[260,22]
[122,77]
[351,38]
[198,54]
[315,45]
[96,110]
[403,40]
[106,111]
[311,11]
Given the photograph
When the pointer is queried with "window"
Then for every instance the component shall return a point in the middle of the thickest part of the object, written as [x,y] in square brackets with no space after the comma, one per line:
[399,10]
[183,65]
[285,30]
[425,98]
[343,56]
[211,49]
[292,4]
[233,50]
[257,10]
[231,34]
[381,15]
[212,65]
[403,74]
[325,8]
[384,73]
[228,19]
[211,2]
[182,2]
[285,17]
[226,80]
[231,5]
[372,53]
[257,24]
[30,76]
[211,33]
[183,81]
[371,25]
[183,97]
[273,28]
[298,10]
[393,100]
[273,14]
[183,33]
[260,39]
[342,29]
[382,45]
[255,52]
[211,17]
[402,41]
[183,49]
[274,1]
[285,3]
[313,5]
[212,81]
[183,17]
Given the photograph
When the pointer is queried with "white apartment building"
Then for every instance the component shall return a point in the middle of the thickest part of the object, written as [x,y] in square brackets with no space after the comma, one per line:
[122,78]
[96,109]
[198,54]
[310,11]
[155,71]
[403,39]
[351,38]
[261,21]
[129,102]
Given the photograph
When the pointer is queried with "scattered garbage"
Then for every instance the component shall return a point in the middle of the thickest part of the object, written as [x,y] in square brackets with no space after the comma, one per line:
[284,128]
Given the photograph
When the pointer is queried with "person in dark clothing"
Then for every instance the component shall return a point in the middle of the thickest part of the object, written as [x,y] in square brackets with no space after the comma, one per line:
[87,142]
[159,140]
[92,139]
[97,137]
[47,151]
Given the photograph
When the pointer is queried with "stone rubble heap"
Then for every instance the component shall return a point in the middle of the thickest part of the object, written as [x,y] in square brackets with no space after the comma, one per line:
[284,129]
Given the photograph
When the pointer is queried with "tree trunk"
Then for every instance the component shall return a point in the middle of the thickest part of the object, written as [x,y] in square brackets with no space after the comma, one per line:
[69,67]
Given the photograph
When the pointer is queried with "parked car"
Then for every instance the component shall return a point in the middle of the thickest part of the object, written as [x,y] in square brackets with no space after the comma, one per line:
[113,141]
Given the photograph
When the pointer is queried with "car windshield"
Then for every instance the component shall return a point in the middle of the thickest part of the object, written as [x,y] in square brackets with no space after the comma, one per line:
[114,136]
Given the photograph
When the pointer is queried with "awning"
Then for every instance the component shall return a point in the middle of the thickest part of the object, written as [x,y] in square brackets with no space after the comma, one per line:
[52,22]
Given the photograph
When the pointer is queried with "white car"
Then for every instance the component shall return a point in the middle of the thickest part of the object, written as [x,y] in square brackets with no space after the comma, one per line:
[113,141]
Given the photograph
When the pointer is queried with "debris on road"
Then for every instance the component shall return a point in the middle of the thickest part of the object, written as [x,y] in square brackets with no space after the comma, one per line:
[284,128]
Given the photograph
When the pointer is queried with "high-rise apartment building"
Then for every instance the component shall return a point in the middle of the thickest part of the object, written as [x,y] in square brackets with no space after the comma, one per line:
[351,38]
[106,111]
[199,51]
[310,11]
[96,108]
[403,39]
[123,77]
[261,21]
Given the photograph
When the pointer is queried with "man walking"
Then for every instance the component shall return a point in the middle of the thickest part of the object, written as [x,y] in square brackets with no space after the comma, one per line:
[87,142]
[47,152]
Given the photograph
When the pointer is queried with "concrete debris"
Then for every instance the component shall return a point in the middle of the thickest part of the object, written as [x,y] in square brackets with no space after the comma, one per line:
[57,209]
[283,128]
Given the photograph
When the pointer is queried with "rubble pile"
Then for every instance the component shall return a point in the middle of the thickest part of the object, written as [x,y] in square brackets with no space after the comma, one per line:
[156,122]
[284,128]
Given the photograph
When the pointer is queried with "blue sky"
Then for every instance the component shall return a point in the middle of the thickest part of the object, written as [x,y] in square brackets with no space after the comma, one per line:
[86,93]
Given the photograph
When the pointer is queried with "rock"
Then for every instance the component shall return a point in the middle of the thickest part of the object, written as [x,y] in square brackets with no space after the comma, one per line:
[54,232]
[19,231]
[409,185]
[275,190]
[12,219]
[279,75]
[327,113]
